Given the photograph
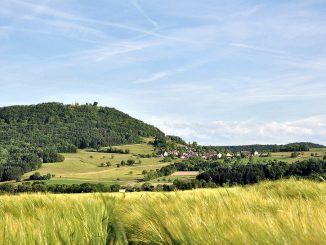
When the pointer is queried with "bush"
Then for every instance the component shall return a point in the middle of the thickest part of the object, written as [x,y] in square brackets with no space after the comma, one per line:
[38,176]
[295,154]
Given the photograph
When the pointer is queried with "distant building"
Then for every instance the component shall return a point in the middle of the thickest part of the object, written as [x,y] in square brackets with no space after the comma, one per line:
[219,156]
[256,153]
[229,155]
[166,154]
[122,190]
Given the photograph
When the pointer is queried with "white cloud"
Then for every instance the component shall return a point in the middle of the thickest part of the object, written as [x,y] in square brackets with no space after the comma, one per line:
[246,132]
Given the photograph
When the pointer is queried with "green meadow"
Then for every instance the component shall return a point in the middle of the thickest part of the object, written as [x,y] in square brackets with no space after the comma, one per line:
[85,166]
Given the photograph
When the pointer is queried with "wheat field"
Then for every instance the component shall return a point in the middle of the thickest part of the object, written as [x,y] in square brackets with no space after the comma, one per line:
[282,212]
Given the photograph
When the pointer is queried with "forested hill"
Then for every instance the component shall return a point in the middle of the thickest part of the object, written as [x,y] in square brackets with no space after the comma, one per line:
[36,134]
[80,125]
[299,146]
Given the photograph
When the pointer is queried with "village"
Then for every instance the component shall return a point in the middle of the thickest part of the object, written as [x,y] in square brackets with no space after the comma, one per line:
[188,153]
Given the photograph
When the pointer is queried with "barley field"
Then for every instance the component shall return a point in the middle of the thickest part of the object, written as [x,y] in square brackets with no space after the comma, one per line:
[282,212]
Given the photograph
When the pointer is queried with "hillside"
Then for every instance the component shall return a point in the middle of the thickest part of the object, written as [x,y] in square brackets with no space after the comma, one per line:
[82,125]
[35,134]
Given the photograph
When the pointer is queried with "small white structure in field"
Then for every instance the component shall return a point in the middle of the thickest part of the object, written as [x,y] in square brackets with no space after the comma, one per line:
[219,156]
[256,153]
[122,190]
[229,155]
[166,154]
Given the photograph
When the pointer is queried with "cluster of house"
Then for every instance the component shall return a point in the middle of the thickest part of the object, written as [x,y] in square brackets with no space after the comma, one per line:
[179,154]
[240,154]
[191,153]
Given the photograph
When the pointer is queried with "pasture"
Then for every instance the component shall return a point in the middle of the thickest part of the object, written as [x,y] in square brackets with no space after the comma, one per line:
[281,212]
[85,166]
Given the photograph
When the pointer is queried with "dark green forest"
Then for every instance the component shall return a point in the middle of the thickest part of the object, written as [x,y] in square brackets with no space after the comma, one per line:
[36,134]
[219,174]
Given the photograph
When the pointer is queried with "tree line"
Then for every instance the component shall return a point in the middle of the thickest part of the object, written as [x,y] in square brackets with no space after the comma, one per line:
[242,174]
[292,147]
[114,150]
[239,174]
[39,186]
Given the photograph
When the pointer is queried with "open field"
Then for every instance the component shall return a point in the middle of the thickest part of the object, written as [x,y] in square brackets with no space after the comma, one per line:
[186,173]
[84,166]
[282,212]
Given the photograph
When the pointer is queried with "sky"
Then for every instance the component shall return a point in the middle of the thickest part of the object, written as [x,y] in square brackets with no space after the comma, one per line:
[224,72]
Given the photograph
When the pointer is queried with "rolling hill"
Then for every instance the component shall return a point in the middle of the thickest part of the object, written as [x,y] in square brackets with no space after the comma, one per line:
[35,134]
[80,125]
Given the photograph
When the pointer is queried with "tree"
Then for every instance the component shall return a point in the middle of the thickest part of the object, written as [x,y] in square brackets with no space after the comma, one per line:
[48,176]
[35,176]
[130,162]
[294,154]
[4,155]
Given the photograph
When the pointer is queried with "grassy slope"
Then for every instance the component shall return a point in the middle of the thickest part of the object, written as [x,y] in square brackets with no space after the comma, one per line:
[282,212]
[84,167]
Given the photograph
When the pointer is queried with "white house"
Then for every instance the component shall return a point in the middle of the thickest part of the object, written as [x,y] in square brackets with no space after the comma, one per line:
[219,156]
[166,154]
[229,155]
[256,153]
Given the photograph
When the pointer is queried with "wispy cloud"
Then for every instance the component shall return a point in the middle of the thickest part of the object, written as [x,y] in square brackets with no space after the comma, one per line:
[163,74]
[144,14]
[152,78]
[252,10]
[43,9]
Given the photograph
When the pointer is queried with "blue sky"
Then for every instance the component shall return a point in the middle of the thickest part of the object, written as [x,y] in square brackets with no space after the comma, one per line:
[217,72]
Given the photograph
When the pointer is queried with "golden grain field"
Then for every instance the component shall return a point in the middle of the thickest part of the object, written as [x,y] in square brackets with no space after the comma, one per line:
[282,212]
